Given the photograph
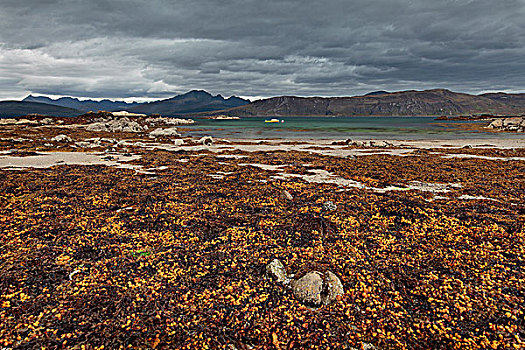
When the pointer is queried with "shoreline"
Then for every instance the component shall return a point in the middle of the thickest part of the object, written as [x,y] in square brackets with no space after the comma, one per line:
[412,143]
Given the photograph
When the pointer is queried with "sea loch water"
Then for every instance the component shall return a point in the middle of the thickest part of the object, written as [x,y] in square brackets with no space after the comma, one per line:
[417,128]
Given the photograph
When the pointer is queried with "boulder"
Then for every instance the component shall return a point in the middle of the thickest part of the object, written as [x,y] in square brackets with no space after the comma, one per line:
[314,288]
[206,141]
[378,144]
[277,271]
[512,121]
[178,142]
[46,121]
[127,114]
[164,132]
[61,138]
[332,288]
[116,125]
[308,288]
[509,124]
[496,124]
[7,121]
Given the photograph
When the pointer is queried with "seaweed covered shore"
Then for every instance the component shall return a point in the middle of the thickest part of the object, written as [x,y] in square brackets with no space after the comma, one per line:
[124,241]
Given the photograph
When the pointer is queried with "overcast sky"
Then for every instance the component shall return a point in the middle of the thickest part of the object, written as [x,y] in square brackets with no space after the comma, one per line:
[259,48]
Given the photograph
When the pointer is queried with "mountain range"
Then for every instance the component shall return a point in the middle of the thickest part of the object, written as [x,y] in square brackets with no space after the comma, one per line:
[192,102]
[434,102]
[83,106]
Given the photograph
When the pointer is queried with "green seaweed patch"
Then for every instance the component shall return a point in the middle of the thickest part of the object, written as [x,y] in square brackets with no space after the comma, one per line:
[140,253]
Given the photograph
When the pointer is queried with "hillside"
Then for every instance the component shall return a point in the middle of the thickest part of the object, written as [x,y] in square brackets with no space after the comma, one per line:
[20,108]
[513,100]
[404,103]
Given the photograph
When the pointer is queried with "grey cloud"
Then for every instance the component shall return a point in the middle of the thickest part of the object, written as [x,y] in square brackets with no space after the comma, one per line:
[157,48]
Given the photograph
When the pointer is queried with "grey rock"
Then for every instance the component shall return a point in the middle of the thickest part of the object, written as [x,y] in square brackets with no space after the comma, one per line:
[206,140]
[329,206]
[333,288]
[13,121]
[61,138]
[164,132]
[286,195]
[313,289]
[497,123]
[116,125]
[509,124]
[46,121]
[277,270]
[308,288]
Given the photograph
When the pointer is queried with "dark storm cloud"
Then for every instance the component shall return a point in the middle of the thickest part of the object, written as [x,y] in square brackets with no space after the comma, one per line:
[259,48]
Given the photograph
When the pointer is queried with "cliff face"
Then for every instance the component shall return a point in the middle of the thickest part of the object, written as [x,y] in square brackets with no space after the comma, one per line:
[428,102]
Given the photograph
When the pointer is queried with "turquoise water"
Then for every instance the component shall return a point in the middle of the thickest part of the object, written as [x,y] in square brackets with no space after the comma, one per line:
[338,128]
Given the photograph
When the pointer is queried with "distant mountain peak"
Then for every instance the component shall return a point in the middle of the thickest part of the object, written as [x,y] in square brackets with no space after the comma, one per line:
[377,93]
[30,98]
[197,92]
[194,101]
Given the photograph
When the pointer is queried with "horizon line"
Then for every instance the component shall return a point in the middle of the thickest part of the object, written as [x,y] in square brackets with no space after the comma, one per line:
[251,98]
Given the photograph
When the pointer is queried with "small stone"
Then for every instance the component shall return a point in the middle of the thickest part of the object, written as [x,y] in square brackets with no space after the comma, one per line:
[308,288]
[61,138]
[164,132]
[333,288]
[286,195]
[329,206]
[46,121]
[277,270]
[206,141]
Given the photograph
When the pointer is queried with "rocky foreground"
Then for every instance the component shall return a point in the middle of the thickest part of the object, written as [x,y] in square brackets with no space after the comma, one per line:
[515,124]
[113,238]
